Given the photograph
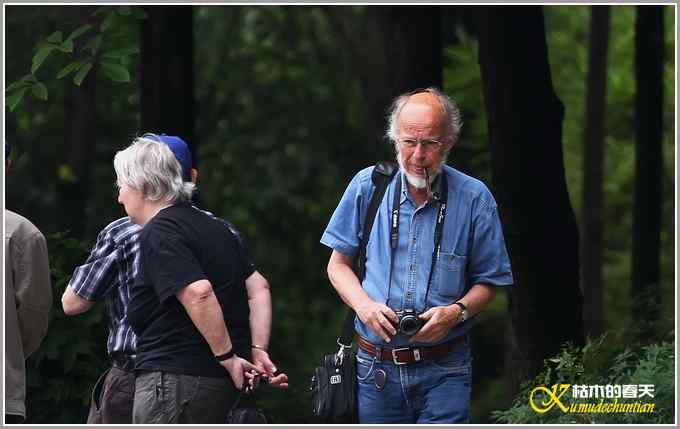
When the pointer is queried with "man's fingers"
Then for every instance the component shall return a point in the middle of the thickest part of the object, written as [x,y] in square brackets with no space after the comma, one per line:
[378,329]
[428,314]
[390,314]
[280,381]
[389,327]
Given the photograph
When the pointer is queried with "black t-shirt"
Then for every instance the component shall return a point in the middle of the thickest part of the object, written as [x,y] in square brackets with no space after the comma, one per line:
[179,246]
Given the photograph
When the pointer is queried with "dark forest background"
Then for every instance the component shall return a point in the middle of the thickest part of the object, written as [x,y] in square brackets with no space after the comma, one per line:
[568,117]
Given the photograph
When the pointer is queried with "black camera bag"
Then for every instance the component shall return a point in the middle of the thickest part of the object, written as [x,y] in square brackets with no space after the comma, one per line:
[334,382]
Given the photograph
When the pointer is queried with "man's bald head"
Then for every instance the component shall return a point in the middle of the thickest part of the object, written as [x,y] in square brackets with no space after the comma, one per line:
[432,100]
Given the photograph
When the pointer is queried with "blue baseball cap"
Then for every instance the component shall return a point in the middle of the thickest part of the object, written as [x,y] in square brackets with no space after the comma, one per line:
[180,148]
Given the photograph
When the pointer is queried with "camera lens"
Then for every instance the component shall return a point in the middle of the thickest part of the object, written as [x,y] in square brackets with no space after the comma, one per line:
[409,325]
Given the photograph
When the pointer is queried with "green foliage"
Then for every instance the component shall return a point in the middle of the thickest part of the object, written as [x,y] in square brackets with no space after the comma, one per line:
[602,361]
[106,38]
[61,374]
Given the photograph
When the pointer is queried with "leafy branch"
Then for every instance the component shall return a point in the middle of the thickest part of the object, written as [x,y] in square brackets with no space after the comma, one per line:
[86,47]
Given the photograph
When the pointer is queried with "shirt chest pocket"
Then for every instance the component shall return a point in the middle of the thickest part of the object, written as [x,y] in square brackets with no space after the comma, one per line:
[450,275]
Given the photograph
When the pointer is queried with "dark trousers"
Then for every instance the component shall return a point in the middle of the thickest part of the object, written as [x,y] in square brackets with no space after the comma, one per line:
[112,397]
[167,398]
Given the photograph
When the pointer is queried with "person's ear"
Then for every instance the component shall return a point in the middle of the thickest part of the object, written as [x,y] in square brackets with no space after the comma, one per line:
[194,175]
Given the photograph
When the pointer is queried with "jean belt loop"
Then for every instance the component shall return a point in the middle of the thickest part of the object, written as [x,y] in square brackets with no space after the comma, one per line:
[378,353]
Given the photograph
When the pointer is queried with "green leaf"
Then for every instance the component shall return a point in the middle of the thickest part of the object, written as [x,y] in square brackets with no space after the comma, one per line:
[93,44]
[39,90]
[79,31]
[115,72]
[124,10]
[82,72]
[39,57]
[67,46]
[16,85]
[108,21]
[13,99]
[55,37]
[123,52]
[74,65]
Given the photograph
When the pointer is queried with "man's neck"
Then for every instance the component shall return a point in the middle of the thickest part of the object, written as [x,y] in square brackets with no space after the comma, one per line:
[151,210]
[419,195]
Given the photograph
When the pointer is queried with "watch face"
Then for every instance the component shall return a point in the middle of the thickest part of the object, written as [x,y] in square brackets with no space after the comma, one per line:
[464,315]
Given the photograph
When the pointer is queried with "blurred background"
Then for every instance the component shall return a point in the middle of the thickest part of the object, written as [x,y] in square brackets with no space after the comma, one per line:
[282,105]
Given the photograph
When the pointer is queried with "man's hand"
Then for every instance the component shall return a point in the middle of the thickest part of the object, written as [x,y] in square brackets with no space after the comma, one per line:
[240,370]
[438,322]
[264,364]
[379,317]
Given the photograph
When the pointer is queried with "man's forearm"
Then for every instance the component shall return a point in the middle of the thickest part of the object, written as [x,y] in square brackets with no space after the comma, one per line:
[345,281]
[478,298]
[205,312]
[260,318]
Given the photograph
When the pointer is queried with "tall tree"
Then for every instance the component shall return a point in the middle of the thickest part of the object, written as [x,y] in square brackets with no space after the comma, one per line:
[593,171]
[393,49]
[80,140]
[167,72]
[525,129]
[648,160]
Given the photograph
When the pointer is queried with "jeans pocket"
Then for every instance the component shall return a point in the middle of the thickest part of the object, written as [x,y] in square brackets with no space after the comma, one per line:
[364,368]
[456,362]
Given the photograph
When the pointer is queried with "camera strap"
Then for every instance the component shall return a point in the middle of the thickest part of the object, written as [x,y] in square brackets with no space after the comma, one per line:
[382,175]
[441,198]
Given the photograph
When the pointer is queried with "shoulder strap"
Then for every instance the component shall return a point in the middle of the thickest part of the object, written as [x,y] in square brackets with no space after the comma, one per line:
[381,177]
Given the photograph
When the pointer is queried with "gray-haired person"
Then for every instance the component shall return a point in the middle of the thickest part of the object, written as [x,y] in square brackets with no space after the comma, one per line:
[108,274]
[187,305]
[434,260]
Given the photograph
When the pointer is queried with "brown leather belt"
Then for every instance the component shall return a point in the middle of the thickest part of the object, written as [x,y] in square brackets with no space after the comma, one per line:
[405,355]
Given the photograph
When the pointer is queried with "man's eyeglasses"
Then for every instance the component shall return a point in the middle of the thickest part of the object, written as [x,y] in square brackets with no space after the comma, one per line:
[428,145]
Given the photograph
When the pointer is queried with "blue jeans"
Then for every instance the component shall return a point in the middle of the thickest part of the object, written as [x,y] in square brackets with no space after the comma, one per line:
[436,391]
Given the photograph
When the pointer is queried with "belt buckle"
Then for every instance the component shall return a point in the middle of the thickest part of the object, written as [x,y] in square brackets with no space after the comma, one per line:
[394,355]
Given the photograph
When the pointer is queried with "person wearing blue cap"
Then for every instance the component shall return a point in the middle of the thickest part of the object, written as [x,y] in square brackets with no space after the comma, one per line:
[109,272]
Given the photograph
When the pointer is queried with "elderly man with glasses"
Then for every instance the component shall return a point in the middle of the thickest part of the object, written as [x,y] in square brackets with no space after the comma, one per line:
[434,259]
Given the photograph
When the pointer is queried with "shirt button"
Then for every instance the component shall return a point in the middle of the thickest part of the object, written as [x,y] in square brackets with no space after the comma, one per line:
[412,268]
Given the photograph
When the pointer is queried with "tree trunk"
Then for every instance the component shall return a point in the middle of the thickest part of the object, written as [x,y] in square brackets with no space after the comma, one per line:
[593,172]
[81,134]
[167,73]
[394,49]
[648,162]
[525,129]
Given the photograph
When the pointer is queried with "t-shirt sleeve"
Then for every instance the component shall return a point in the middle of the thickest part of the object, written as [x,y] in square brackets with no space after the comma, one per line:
[168,261]
[489,261]
[343,232]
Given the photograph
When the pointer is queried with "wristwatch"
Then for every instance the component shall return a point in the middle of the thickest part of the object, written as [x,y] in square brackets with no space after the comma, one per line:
[464,311]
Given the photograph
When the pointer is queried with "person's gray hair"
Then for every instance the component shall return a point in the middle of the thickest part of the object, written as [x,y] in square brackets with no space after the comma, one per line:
[452,117]
[150,167]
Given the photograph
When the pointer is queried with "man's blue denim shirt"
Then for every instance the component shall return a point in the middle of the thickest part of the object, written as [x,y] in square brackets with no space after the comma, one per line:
[472,247]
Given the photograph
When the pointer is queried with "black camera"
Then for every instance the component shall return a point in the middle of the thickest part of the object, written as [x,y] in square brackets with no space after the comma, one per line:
[408,323]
